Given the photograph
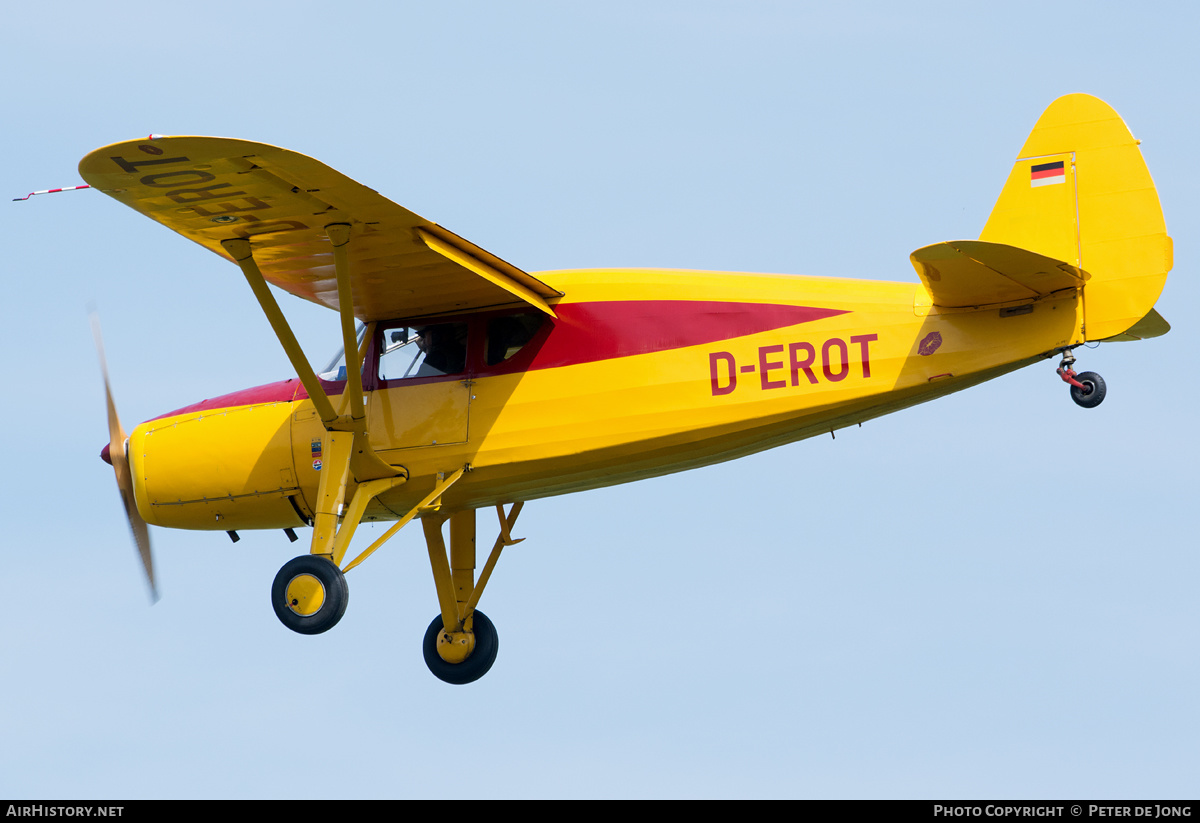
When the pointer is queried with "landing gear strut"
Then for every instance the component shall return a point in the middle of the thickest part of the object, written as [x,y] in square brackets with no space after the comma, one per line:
[1087,388]
[460,644]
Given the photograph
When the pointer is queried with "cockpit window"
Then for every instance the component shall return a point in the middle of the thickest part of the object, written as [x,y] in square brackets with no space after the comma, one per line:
[423,351]
[509,334]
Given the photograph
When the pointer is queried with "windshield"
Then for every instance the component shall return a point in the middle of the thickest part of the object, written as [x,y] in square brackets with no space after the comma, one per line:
[336,370]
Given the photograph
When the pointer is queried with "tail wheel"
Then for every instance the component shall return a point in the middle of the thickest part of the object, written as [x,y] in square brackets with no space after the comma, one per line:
[1093,391]
[487,643]
[310,594]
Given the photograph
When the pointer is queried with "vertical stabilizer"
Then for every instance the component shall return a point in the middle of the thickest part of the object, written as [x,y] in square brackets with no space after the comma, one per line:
[1080,192]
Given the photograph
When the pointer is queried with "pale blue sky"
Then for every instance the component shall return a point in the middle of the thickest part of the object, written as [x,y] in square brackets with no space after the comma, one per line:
[988,596]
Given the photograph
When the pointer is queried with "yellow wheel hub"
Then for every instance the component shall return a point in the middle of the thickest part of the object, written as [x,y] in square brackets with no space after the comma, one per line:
[305,595]
[455,647]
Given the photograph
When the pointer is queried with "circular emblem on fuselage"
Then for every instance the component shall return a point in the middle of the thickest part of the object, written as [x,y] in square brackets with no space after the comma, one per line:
[316,465]
[930,344]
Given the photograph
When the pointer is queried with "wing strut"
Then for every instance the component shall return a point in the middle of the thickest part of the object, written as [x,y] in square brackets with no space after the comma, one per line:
[243,255]
[339,235]
[349,457]
[365,464]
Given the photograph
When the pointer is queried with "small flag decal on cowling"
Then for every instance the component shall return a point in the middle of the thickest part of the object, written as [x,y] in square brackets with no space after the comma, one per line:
[1047,174]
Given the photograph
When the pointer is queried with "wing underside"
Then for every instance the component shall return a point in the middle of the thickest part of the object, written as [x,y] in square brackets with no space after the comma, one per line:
[212,189]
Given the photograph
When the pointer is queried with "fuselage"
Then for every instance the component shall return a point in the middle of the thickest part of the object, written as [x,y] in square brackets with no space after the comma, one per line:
[641,373]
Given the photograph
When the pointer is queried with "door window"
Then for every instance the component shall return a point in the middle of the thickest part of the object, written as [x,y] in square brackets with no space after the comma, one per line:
[430,350]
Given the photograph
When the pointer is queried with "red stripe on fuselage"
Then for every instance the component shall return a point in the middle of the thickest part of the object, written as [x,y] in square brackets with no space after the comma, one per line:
[283,391]
[587,332]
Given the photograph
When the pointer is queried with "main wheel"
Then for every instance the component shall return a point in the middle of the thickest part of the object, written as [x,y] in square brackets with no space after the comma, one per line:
[310,594]
[487,643]
[1092,393]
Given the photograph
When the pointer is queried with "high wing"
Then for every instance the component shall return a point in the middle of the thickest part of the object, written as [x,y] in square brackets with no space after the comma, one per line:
[970,273]
[211,189]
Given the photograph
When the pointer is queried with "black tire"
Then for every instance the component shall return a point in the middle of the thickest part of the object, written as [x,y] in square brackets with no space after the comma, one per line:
[487,644]
[336,594]
[1092,395]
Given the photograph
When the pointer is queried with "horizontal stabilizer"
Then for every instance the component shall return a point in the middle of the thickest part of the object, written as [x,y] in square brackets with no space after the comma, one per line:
[971,273]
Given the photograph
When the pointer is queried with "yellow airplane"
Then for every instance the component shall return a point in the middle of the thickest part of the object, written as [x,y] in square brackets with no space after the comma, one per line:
[467,383]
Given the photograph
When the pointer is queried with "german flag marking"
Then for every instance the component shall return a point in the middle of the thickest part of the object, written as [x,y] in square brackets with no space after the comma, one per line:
[1048,174]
